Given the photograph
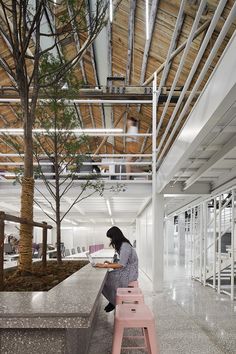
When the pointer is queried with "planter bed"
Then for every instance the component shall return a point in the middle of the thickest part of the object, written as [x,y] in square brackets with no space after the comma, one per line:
[57,321]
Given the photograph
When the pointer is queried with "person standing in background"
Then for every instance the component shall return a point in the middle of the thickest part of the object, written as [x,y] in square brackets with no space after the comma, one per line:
[132,144]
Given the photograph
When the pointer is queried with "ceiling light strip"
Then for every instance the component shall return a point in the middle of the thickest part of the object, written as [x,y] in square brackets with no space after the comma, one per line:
[110,11]
[80,101]
[108,206]
[99,155]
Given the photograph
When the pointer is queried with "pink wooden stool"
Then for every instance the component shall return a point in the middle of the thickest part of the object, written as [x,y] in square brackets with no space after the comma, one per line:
[134,316]
[129,296]
[133,284]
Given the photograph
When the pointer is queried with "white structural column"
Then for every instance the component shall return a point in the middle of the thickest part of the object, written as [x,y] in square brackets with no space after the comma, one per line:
[157,207]
[214,245]
[201,235]
[205,242]
[158,243]
[219,247]
[181,238]
[232,245]
[170,236]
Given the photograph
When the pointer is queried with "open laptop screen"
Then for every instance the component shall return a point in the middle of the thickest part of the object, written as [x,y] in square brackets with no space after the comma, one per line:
[90,259]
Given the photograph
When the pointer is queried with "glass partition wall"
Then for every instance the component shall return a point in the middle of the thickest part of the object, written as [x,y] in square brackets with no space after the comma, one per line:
[210,242]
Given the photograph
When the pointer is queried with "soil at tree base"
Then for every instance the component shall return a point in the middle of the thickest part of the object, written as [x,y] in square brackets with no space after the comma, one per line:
[41,279]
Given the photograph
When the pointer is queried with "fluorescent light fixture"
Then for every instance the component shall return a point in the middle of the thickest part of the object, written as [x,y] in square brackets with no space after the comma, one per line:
[111,11]
[112,221]
[147,19]
[108,206]
[20,131]
[67,220]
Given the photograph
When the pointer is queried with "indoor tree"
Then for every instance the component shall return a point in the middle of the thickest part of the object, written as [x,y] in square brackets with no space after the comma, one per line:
[56,143]
[21,27]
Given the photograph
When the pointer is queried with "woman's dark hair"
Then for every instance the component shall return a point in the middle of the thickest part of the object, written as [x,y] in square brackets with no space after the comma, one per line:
[117,238]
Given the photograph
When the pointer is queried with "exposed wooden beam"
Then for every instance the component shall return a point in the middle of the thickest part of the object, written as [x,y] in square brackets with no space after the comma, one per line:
[93,61]
[153,14]
[177,35]
[105,138]
[130,40]
[177,51]
[81,62]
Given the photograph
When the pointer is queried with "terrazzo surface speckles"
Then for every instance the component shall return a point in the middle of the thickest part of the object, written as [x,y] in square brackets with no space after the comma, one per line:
[190,319]
[74,297]
[58,321]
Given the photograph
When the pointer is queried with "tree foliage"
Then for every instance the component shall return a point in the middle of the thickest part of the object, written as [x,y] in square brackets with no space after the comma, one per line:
[31,30]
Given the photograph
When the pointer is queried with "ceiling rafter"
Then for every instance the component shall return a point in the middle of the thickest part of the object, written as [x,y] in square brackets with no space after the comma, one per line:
[153,14]
[130,40]
[210,58]
[199,31]
[81,62]
[93,60]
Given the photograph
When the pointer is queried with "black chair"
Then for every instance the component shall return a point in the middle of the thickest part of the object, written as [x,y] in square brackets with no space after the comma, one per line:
[67,252]
[78,249]
[8,248]
[72,251]
[83,249]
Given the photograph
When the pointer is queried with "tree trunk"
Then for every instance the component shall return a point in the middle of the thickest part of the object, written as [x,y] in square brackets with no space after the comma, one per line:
[2,228]
[58,216]
[27,196]
[58,226]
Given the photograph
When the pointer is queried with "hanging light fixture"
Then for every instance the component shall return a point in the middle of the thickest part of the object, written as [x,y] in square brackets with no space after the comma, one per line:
[147,19]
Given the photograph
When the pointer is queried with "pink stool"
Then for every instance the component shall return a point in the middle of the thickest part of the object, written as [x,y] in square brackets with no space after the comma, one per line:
[133,284]
[129,296]
[134,316]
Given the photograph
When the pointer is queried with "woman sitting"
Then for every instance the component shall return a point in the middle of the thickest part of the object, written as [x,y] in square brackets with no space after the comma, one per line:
[124,271]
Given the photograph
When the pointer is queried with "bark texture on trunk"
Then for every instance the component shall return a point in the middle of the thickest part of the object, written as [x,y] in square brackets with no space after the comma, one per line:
[26,231]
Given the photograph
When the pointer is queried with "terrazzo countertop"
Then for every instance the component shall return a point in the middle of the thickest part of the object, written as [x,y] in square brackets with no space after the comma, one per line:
[70,304]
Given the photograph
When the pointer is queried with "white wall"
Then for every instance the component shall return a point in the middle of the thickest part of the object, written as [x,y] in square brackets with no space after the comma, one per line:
[89,235]
[144,241]
[38,235]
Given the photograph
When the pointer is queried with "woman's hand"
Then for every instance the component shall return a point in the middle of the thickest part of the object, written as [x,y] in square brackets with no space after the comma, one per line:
[101,265]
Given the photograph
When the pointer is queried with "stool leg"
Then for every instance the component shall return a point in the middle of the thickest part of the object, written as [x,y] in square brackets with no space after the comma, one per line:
[117,339]
[150,339]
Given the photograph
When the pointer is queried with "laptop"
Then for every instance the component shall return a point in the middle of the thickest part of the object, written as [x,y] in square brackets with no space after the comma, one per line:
[91,261]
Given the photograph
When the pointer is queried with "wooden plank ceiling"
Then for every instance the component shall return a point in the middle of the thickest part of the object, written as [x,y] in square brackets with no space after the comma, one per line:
[135,59]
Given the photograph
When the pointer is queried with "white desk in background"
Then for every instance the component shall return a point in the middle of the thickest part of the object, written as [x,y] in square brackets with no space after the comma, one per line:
[11,264]
[11,257]
[103,253]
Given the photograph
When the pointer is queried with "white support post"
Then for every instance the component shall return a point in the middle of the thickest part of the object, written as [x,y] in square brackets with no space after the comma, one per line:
[219,247]
[165,234]
[214,246]
[193,243]
[158,244]
[205,241]
[181,238]
[191,240]
[157,213]
[232,246]
[201,243]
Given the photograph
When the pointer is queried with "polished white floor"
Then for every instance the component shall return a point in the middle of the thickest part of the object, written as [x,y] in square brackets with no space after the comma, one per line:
[190,318]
